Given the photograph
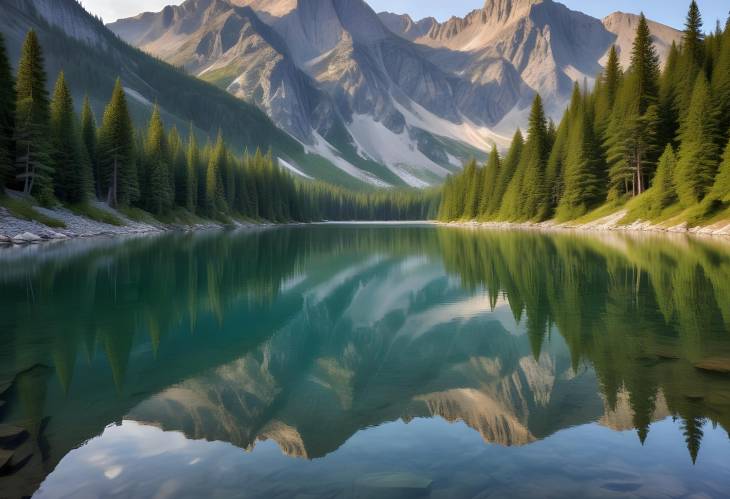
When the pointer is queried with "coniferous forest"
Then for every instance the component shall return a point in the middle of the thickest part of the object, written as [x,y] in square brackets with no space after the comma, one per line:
[655,140]
[49,152]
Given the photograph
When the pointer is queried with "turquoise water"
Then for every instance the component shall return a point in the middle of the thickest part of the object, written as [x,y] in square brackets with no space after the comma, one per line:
[366,361]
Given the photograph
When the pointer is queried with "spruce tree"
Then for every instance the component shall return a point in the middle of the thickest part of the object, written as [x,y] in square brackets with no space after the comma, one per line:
[33,163]
[699,152]
[721,189]
[7,117]
[491,173]
[692,58]
[214,190]
[157,194]
[721,82]
[192,160]
[116,151]
[88,139]
[583,182]
[472,189]
[663,192]
[72,181]
[528,197]
[506,174]
[668,91]
[645,67]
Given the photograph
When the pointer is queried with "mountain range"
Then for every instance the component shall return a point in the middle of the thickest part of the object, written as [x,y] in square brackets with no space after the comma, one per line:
[339,92]
[416,96]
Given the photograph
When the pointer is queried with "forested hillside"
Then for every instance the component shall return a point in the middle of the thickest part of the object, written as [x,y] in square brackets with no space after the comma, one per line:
[653,142]
[55,156]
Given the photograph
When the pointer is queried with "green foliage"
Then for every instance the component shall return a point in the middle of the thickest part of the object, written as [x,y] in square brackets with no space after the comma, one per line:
[89,142]
[7,117]
[491,173]
[699,151]
[33,163]
[118,175]
[155,183]
[583,175]
[100,215]
[23,208]
[72,171]
[721,190]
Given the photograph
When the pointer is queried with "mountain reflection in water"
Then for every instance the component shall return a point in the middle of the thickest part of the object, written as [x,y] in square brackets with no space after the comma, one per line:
[325,339]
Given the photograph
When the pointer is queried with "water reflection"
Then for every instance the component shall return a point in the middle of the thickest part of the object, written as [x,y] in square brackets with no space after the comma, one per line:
[305,337]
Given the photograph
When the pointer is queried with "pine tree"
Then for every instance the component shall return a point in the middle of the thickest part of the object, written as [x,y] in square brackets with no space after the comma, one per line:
[7,117]
[632,141]
[506,174]
[214,191]
[607,89]
[472,190]
[721,189]
[489,185]
[663,191]
[157,194]
[668,91]
[88,139]
[528,197]
[645,67]
[33,162]
[583,182]
[192,161]
[72,181]
[692,58]
[699,153]
[116,151]
[721,82]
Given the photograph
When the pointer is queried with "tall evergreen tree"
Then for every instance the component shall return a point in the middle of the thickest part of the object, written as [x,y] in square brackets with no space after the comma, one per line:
[528,197]
[192,161]
[33,163]
[214,190]
[692,59]
[645,67]
[583,180]
[88,140]
[156,191]
[721,189]
[491,173]
[663,192]
[721,82]
[72,180]
[472,190]
[116,151]
[699,152]
[506,174]
[7,117]
[668,92]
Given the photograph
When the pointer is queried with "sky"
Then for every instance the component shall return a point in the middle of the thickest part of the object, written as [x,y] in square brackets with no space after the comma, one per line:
[671,12]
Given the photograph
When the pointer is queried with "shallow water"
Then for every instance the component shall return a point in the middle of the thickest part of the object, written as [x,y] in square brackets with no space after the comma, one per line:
[366,361]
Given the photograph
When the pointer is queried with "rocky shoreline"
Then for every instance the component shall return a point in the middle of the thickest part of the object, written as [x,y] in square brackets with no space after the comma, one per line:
[16,231]
[608,223]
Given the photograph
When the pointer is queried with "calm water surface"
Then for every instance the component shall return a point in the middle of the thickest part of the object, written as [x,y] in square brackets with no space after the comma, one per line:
[365,361]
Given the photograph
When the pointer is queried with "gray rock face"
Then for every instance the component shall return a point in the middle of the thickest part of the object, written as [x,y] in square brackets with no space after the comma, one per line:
[313,65]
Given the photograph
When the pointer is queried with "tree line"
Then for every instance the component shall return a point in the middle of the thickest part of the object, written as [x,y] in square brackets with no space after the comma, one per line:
[50,153]
[657,136]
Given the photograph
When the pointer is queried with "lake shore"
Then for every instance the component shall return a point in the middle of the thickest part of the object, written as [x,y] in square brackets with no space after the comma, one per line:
[17,231]
[610,223]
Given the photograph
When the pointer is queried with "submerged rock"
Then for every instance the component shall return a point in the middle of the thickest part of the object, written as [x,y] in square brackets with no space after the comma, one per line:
[716,365]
